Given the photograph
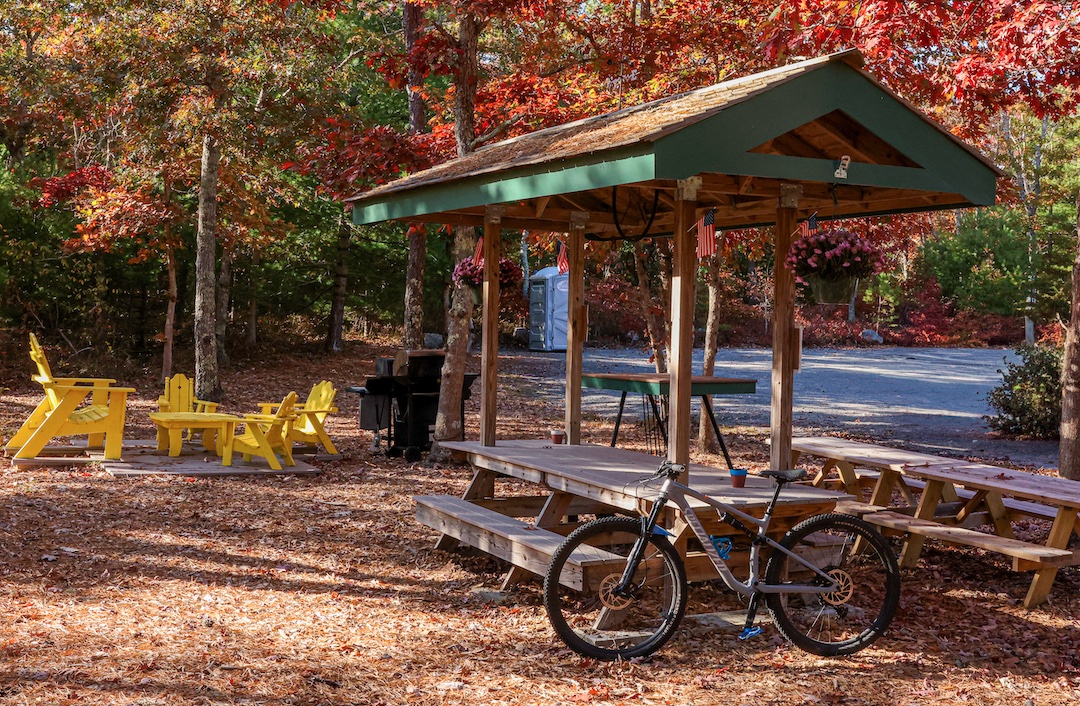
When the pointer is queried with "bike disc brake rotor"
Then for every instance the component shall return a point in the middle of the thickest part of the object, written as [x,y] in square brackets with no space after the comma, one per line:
[608,596]
[845,587]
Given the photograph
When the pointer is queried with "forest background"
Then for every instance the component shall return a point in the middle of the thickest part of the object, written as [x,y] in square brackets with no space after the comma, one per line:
[174,169]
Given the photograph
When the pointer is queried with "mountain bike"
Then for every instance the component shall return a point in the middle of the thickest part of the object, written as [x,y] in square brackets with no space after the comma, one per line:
[831,583]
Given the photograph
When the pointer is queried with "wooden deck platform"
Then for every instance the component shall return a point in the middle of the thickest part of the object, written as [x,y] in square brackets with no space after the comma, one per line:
[141,458]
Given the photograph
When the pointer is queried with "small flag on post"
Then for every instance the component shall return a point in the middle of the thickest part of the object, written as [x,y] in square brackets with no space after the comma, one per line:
[561,257]
[478,256]
[706,235]
[808,227]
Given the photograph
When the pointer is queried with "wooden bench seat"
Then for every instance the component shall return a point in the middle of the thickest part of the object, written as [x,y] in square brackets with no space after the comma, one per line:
[513,540]
[1026,555]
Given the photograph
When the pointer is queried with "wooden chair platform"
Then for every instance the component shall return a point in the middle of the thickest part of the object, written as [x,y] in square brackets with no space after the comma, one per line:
[520,543]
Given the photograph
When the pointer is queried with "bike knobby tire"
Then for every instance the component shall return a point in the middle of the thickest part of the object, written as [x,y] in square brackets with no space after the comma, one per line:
[858,612]
[580,602]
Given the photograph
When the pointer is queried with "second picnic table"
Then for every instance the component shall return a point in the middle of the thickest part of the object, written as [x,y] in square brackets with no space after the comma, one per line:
[655,385]
[956,495]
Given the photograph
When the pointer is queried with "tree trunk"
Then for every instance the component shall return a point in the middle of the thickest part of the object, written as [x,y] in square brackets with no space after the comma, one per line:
[224,294]
[170,315]
[449,423]
[654,318]
[251,332]
[414,275]
[664,249]
[706,437]
[207,384]
[411,18]
[335,332]
[1069,450]
[414,288]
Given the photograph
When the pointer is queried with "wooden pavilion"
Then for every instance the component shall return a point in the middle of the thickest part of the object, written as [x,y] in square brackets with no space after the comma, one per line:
[768,149]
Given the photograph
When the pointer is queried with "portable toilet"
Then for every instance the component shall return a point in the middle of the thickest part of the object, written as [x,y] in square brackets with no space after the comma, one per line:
[549,298]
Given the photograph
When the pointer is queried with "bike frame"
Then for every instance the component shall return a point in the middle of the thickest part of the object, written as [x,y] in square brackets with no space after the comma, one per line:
[676,493]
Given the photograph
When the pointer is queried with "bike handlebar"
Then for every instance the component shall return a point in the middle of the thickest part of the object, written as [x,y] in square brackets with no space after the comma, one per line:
[670,470]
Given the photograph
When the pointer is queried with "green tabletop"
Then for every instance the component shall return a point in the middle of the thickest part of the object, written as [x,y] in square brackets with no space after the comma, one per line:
[658,384]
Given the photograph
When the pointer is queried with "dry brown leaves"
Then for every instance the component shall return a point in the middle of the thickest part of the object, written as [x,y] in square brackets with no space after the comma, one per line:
[324,590]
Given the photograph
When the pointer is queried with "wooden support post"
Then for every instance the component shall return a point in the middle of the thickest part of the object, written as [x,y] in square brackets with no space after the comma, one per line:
[551,515]
[1058,539]
[489,325]
[931,496]
[783,354]
[575,329]
[684,271]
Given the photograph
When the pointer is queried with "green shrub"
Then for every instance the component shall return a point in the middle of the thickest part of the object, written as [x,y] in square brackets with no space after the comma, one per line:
[1028,401]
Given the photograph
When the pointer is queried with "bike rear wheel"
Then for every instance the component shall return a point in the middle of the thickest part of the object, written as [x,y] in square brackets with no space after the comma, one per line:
[858,612]
[582,606]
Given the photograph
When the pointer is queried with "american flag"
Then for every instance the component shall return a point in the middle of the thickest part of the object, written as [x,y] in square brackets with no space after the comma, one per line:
[706,235]
[478,256]
[561,257]
[808,227]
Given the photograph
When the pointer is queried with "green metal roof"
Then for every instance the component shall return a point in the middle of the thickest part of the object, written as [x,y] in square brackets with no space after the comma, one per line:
[743,137]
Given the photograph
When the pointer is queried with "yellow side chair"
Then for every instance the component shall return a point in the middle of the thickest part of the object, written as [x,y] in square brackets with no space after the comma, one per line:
[179,396]
[309,426]
[62,412]
[264,435]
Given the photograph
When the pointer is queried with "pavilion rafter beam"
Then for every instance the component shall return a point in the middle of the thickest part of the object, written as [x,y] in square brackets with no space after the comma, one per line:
[864,145]
[792,145]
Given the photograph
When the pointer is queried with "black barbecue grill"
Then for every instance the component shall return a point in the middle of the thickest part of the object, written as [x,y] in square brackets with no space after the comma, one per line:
[403,399]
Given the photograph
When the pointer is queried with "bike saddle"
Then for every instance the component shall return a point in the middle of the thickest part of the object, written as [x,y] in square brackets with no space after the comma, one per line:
[786,476]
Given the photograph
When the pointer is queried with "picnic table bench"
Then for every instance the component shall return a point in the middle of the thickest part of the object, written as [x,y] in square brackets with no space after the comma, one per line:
[955,495]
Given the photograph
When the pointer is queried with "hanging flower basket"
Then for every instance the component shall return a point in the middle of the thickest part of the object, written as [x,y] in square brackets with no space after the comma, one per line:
[831,262]
[831,291]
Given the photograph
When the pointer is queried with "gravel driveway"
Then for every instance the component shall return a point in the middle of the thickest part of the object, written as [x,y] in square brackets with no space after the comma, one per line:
[931,399]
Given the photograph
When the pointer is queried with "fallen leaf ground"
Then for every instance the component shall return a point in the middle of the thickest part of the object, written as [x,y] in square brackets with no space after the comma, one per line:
[324,590]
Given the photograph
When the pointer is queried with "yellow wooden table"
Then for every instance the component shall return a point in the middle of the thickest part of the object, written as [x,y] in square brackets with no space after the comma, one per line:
[217,429]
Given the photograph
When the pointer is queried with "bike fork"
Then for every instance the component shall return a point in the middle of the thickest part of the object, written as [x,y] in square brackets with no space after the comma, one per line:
[637,553]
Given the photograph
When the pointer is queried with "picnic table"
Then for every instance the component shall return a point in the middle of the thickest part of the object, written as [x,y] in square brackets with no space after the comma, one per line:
[656,385]
[525,527]
[955,495]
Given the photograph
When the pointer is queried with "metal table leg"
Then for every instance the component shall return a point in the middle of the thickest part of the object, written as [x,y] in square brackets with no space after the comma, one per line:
[618,419]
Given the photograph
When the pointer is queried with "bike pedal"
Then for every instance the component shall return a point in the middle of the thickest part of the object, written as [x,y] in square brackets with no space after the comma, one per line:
[747,633]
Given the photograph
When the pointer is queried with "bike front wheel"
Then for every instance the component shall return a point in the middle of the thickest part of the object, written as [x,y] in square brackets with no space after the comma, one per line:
[583,607]
[859,610]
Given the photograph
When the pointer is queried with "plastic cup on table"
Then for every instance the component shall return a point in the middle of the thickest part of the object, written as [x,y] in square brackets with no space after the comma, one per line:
[738,477]
[558,436]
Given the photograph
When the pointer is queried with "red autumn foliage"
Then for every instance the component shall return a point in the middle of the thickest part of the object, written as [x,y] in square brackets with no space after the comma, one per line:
[60,189]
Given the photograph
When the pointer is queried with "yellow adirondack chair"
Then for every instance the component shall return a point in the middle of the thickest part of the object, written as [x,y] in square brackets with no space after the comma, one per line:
[60,413]
[310,416]
[179,396]
[264,435]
